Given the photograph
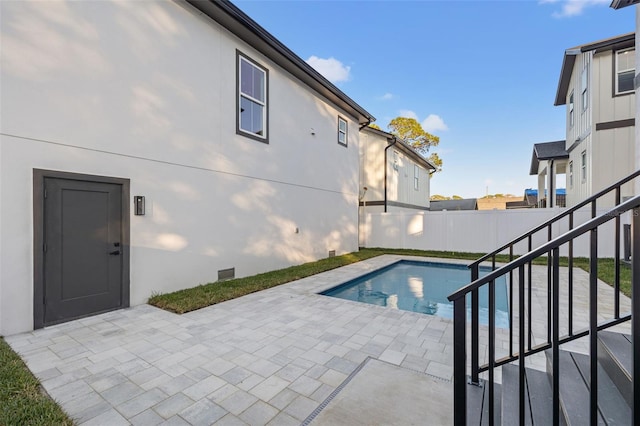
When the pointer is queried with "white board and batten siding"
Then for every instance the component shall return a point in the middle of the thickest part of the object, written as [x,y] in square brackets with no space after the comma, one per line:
[609,152]
[580,132]
[147,91]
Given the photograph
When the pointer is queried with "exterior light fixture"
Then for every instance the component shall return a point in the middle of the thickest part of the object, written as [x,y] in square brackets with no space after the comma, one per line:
[138,204]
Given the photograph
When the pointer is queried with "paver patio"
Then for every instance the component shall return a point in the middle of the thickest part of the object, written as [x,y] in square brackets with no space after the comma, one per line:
[271,357]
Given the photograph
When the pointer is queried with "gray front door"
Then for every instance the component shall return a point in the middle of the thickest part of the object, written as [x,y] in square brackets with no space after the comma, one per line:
[84,245]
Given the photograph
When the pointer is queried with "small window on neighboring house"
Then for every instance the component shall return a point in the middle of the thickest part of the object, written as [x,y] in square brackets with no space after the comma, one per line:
[583,166]
[416,177]
[625,70]
[252,99]
[584,81]
[571,110]
[570,174]
[342,131]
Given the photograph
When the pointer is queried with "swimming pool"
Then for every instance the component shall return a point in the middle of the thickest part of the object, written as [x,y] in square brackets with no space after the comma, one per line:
[422,287]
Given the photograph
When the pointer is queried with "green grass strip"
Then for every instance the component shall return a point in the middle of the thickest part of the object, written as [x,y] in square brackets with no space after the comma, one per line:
[209,294]
[22,402]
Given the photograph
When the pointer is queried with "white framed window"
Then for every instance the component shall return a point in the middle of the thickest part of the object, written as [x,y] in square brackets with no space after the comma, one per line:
[252,99]
[583,166]
[571,106]
[625,71]
[584,87]
[416,177]
[342,131]
[570,174]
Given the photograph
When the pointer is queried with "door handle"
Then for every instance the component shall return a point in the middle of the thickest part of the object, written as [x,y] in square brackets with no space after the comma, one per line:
[114,253]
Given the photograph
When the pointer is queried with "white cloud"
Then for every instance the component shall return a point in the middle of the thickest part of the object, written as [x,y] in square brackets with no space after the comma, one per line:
[332,69]
[434,123]
[408,114]
[386,96]
[571,8]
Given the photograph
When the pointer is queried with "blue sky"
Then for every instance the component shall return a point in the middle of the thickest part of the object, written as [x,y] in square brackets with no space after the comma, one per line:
[481,75]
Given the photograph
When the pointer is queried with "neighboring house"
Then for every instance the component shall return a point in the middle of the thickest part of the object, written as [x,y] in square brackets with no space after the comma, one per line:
[450,205]
[496,202]
[530,199]
[597,86]
[547,161]
[154,146]
[395,176]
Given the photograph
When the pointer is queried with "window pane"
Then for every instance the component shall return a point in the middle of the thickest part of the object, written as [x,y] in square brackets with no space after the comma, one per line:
[256,119]
[342,125]
[625,81]
[258,84]
[626,60]
[246,78]
[251,116]
[342,138]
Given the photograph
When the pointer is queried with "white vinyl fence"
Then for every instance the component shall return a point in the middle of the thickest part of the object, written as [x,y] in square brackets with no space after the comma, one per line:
[479,231]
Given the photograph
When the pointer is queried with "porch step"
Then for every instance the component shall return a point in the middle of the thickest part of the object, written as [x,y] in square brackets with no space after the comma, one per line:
[574,392]
[612,405]
[477,404]
[615,354]
[615,397]
[538,396]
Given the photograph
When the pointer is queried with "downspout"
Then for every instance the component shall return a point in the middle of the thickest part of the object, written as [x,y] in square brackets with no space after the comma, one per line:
[369,120]
[386,167]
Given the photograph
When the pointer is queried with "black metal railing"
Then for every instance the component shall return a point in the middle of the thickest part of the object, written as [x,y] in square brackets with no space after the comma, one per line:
[547,226]
[551,249]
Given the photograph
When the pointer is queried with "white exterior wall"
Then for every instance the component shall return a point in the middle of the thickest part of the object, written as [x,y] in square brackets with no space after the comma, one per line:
[372,148]
[146,91]
[400,179]
[580,131]
[613,149]
[478,231]
[611,152]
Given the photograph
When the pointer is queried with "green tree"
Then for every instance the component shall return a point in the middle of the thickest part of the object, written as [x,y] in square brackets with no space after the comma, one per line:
[456,197]
[411,132]
[374,126]
[438,197]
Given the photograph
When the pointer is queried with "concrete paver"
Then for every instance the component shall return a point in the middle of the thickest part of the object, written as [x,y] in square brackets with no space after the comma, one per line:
[268,357]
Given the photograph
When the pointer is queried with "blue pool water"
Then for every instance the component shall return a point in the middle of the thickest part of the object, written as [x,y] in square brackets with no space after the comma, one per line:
[422,287]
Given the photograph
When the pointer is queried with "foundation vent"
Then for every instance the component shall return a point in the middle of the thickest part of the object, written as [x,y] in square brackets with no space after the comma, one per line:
[332,253]
[226,274]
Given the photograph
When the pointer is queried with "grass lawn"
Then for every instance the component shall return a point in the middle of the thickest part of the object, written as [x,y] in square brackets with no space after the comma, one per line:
[21,400]
[209,294]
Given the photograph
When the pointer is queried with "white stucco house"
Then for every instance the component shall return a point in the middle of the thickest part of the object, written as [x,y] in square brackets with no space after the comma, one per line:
[153,146]
[597,88]
[395,175]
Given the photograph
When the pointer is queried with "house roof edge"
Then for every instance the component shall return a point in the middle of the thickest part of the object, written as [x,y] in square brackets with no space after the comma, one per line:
[241,25]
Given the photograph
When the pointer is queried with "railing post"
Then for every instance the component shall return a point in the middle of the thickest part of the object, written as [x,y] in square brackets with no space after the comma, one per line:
[521,354]
[570,278]
[635,310]
[549,288]
[593,328]
[529,296]
[510,304]
[475,330]
[555,344]
[492,349]
[459,362]
[616,280]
